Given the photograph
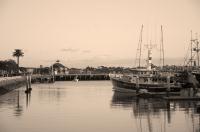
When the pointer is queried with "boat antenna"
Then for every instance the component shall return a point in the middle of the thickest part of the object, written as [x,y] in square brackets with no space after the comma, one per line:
[139,49]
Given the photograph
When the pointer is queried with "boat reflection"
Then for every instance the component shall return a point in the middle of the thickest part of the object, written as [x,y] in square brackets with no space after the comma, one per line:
[156,114]
[19,108]
[28,99]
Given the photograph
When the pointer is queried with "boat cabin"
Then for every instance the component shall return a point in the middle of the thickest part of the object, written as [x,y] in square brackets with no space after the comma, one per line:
[144,72]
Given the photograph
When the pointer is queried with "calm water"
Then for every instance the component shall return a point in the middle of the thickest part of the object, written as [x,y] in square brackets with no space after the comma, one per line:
[92,107]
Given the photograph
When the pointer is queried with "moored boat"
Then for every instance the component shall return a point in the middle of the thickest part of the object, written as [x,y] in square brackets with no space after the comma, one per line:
[146,80]
[149,83]
[190,77]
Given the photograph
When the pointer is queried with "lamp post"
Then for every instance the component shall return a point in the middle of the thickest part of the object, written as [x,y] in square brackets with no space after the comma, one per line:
[52,73]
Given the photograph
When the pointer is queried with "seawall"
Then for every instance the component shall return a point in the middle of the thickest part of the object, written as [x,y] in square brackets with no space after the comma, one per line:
[10,83]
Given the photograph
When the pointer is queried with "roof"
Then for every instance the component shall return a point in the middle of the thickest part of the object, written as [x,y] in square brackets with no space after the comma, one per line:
[58,65]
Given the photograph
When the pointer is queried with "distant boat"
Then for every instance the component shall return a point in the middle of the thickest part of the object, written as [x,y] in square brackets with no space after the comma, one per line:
[76,79]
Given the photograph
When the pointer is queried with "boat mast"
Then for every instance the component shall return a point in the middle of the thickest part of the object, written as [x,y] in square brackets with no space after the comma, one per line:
[162,61]
[197,50]
[139,49]
[194,61]
[191,59]
[140,44]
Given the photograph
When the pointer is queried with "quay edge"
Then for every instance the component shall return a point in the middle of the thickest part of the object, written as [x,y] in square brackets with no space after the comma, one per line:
[11,83]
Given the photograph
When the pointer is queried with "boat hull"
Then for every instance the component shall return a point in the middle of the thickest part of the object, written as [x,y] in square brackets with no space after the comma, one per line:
[123,86]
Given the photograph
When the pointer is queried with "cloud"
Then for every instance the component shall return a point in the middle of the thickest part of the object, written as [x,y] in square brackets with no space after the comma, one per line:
[73,50]
[69,50]
[86,51]
[105,55]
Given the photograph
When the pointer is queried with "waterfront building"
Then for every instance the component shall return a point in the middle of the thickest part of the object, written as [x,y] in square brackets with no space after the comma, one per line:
[60,69]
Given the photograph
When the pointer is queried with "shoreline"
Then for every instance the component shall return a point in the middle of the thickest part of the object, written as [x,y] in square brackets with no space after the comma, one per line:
[8,84]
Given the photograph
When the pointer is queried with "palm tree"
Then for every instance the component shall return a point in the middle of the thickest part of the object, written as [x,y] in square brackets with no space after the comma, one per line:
[18,53]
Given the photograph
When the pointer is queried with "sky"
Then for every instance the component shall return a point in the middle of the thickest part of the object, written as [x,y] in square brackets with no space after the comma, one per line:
[83,33]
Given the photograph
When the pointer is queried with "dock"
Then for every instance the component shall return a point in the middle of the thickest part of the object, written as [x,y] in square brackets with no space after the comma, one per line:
[173,98]
[82,77]
[42,79]
[69,77]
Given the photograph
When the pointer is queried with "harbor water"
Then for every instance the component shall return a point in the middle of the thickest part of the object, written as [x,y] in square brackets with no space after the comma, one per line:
[92,106]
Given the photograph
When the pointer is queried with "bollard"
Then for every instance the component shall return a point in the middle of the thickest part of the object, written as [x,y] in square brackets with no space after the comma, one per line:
[28,84]
[29,81]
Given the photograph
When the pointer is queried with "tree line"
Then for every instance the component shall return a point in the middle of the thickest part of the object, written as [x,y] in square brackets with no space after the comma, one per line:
[10,67]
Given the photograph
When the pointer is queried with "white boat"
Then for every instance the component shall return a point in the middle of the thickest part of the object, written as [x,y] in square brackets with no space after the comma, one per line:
[76,79]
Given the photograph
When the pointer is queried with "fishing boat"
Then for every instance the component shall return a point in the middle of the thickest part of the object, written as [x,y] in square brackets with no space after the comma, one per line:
[146,80]
[190,77]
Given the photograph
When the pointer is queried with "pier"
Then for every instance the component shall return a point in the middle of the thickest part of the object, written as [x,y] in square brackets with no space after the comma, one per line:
[68,77]
[82,77]
[42,79]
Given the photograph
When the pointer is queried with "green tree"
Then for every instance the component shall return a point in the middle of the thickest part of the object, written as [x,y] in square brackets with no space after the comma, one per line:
[18,53]
[8,66]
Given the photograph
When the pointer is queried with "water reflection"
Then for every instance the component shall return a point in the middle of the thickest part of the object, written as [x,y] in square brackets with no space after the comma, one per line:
[19,108]
[18,111]
[17,100]
[51,93]
[154,114]
[28,99]
[92,106]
